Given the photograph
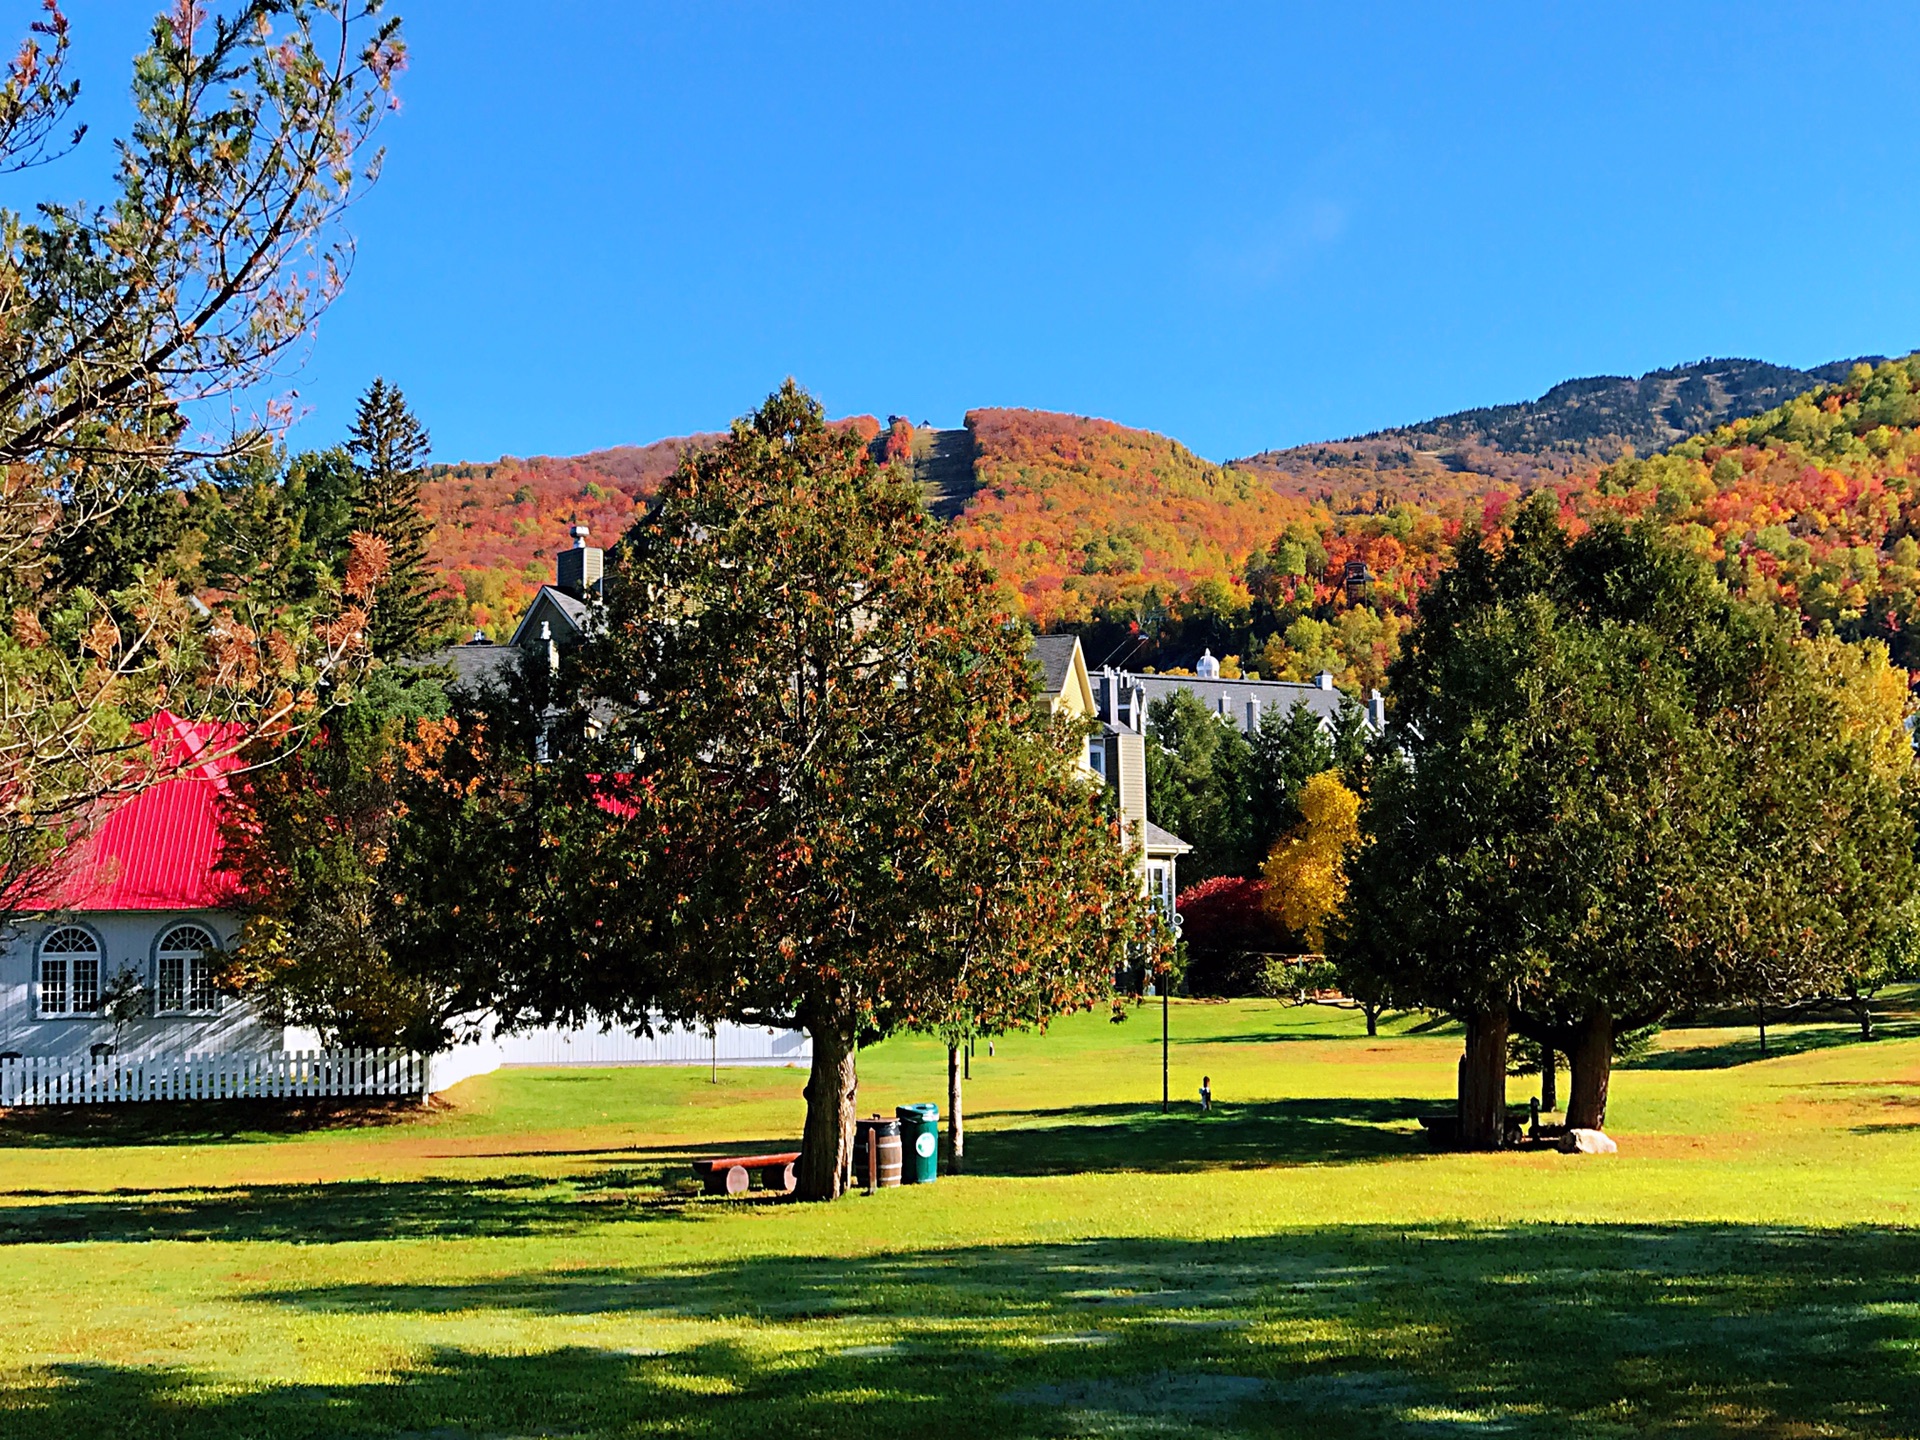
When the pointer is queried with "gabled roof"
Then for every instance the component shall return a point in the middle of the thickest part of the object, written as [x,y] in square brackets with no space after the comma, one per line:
[157,848]
[1054,653]
[1063,673]
[552,604]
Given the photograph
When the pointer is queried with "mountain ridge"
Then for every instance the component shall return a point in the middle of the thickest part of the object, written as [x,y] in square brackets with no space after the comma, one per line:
[1575,425]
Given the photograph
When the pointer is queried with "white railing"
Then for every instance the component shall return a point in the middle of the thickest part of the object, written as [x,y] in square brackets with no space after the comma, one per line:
[116,1079]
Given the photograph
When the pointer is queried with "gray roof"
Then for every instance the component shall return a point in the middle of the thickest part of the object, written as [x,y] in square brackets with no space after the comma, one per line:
[1054,655]
[1163,842]
[572,611]
[474,663]
[1281,695]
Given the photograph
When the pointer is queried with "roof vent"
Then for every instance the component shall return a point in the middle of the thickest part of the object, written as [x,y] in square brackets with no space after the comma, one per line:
[1208,668]
[1323,681]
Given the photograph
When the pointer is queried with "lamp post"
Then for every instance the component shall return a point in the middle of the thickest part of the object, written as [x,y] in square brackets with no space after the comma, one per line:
[1166,984]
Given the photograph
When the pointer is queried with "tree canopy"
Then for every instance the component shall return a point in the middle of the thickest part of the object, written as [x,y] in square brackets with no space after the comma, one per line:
[389,447]
[1611,789]
[806,776]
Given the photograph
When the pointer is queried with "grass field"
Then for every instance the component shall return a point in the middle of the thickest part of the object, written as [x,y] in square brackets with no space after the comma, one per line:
[533,1260]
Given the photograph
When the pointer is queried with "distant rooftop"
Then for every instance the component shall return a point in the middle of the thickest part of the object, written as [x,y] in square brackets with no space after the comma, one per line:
[1054,655]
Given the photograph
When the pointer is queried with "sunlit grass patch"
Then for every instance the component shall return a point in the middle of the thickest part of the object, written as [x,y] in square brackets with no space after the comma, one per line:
[535,1258]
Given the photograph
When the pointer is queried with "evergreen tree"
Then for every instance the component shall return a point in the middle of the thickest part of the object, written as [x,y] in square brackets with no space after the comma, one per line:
[1610,790]
[1198,772]
[840,804]
[389,448]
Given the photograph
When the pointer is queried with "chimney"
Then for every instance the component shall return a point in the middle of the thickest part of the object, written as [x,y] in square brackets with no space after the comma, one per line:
[1377,710]
[1323,681]
[1226,707]
[1253,714]
[578,571]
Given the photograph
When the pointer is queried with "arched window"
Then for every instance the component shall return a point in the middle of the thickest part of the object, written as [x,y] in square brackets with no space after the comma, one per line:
[185,979]
[69,972]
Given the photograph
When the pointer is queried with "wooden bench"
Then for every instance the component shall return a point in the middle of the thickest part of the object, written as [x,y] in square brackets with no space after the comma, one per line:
[727,1174]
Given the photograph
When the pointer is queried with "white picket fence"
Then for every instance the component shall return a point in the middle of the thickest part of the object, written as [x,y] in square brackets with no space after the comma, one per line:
[115,1079]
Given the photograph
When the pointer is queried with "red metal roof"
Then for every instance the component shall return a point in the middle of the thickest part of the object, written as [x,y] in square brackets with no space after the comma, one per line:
[156,849]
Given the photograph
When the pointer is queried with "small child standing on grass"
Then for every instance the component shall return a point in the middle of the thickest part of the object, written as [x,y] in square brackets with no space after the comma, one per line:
[1206,1094]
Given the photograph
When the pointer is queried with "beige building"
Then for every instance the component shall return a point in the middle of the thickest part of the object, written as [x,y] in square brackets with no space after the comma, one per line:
[1118,756]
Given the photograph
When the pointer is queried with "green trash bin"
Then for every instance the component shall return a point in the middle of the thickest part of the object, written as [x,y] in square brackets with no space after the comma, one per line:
[919,1143]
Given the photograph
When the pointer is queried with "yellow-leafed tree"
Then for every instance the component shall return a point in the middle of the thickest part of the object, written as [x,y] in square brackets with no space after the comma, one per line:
[1306,872]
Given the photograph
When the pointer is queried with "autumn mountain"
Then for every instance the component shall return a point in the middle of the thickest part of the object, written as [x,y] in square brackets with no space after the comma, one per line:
[1313,558]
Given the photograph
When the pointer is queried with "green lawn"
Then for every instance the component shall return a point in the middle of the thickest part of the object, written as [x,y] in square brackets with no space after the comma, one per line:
[534,1261]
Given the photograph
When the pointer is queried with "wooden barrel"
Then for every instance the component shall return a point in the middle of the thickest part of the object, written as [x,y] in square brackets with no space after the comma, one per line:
[879,1136]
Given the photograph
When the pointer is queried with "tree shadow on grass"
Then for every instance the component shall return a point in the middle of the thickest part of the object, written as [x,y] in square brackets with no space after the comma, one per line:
[1078,1139]
[1356,1037]
[1799,1040]
[1549,1330]
[197,1122]
[653,1183]
[352,1210]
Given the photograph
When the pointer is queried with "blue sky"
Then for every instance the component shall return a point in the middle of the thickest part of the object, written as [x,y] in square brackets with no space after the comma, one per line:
[602,223]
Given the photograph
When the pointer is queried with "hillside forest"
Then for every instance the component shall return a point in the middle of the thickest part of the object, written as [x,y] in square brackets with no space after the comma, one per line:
[1154,554]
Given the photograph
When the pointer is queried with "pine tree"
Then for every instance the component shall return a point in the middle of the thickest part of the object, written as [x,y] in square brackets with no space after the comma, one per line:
[389,447]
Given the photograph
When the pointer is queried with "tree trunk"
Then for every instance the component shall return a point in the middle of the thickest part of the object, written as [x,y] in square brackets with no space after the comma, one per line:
[1373,1019]
[1862,1006]
[1761,1015]
[1590,1061]
[826,1142]
[1483,1081]
[1549,1099]
[956,1120]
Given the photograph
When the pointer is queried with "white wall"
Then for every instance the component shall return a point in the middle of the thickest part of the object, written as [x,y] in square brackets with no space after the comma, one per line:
[730,1045]
[727,1044]
[127,941]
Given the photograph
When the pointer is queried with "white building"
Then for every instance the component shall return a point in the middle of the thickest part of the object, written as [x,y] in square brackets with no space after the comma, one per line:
[139,903]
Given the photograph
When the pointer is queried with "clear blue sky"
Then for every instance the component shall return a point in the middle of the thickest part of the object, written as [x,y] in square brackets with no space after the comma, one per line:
[602,223]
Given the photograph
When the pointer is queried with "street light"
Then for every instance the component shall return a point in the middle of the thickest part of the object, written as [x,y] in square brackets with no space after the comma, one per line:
[1179,924]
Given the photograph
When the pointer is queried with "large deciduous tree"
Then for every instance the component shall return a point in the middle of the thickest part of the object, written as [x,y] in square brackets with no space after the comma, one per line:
[120,326]
[315,841]
[814,782]
[1008,937]
[1306,872]
[398,855]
